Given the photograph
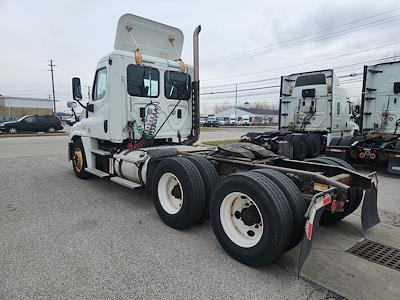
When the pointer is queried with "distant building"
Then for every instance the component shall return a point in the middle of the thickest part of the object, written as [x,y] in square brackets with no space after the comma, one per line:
[256,115]
[22,106]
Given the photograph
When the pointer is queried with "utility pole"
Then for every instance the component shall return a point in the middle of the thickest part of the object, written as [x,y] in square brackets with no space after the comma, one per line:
[51,65]
[236,103]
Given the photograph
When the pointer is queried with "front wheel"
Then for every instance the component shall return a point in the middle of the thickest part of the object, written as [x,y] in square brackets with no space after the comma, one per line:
[79,160]
[51,129]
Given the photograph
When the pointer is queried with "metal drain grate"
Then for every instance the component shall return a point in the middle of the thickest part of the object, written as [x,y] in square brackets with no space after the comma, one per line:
[378,253]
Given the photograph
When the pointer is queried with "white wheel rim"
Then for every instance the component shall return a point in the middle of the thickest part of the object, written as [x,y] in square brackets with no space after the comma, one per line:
[168,191]
[51,129]
[234,225]
[12,130]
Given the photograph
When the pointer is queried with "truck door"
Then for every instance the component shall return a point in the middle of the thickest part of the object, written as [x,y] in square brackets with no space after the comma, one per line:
[99,119]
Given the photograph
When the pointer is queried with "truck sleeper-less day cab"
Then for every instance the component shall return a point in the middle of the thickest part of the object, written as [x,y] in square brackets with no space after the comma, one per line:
[141,130]
[313,108]
[379,138]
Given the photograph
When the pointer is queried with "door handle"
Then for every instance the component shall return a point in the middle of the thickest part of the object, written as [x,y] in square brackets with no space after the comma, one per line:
[105,125]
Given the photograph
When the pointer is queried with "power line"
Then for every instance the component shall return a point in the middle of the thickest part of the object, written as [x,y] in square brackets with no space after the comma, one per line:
[242,90]
[306,63]
[342,68]
[290,43]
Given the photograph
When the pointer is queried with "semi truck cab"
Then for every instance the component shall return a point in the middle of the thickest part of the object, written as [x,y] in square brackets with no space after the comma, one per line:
[378,141]
[143,86]
[315,102]
[313,109]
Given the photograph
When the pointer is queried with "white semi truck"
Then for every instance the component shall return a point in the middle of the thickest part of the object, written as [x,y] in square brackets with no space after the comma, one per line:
[141,131]
[378,141]
[313,108]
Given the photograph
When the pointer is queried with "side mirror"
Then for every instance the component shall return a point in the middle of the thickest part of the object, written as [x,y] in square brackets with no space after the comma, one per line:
[76,89]
[72,104]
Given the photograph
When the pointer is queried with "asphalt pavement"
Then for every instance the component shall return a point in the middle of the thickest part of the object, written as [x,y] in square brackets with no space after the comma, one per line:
[62,237]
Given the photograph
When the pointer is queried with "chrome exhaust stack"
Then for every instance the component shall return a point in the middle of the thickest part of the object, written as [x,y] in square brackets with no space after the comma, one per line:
[196,90]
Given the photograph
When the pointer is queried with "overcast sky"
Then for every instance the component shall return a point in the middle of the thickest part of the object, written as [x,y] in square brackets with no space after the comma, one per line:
[281,33]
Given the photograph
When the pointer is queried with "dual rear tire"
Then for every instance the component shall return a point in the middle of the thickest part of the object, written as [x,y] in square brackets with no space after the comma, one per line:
[255,218]
[182,188]
[255,215]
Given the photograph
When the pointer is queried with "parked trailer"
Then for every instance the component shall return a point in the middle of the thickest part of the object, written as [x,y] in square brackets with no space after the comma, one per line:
[143,134]
[378,141]
[313,108]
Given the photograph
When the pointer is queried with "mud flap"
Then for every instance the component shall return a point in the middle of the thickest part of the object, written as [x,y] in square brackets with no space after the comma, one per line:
[313,215]
[369,212]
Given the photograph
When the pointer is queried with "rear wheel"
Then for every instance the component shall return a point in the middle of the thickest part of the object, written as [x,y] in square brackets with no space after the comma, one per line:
[178,192]
[251,218]
[51,129]
[335,141]
[210,179]
[79,160]
[355,195]
[299,147]
[347,141]
[296,201]
[313,142]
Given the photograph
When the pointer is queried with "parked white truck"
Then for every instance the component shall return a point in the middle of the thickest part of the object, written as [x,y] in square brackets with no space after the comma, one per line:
[313,108]
[141,130]
[378,141]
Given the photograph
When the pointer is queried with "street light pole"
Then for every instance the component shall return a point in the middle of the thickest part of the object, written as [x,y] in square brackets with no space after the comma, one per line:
[51,65]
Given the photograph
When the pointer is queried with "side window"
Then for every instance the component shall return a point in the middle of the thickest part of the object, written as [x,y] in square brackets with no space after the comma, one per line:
[54,119]
[31,119]
[338,108]
[42,119]
[100,84]
[177,85]
[143,81]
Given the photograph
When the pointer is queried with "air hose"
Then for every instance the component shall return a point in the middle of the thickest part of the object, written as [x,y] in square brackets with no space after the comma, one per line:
[148,129]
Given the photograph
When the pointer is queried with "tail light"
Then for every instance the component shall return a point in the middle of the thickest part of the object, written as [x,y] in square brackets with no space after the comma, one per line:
[361,155]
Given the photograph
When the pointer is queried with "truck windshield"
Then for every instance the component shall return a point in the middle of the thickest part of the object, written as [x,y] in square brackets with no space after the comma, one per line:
[310,80]
[177,85]
[143,81]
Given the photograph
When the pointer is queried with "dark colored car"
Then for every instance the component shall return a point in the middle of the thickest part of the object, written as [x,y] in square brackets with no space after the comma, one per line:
[7,119]
[33,123]
[211,124]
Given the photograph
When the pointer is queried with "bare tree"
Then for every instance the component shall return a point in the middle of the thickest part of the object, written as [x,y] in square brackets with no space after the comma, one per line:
[219,107]
[269,106]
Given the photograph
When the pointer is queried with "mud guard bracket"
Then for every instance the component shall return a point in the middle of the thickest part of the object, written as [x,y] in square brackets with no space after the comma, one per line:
[313,215]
